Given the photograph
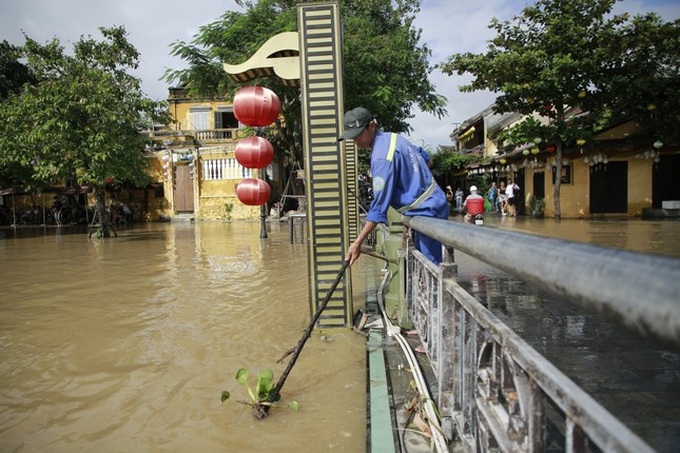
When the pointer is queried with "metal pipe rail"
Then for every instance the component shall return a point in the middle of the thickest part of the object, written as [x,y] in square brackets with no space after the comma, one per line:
[494,390]
[637,290]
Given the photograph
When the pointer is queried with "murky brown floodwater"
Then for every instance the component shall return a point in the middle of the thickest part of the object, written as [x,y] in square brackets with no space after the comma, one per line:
[125,344]
[660,237]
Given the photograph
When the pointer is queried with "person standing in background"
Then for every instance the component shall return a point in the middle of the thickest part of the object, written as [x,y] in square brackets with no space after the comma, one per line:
[510,190]
[449,196]
[493,194]
[459,199]
[502,199]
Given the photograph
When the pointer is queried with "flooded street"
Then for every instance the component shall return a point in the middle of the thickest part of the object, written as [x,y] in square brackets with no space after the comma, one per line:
[126,344]
[660,237]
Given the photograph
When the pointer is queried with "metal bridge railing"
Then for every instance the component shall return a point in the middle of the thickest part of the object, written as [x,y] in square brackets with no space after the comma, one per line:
[494,389]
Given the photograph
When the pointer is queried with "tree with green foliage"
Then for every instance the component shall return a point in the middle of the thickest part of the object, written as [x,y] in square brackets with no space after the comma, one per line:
[558,54]
[83,121]
[13,73]
[645,84]
[386,69]
[450,162]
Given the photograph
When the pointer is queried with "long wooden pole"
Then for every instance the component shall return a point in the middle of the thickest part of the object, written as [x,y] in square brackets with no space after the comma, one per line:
[261,410]
[368,252]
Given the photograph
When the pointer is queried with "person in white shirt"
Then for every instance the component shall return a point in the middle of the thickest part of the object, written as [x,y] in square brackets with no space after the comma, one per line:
[510,190]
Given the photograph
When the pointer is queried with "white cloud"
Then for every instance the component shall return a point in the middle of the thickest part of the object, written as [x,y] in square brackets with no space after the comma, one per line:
[448,27]
[152,27]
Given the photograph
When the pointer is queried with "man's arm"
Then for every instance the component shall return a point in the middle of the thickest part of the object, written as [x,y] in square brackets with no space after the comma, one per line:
[355,249]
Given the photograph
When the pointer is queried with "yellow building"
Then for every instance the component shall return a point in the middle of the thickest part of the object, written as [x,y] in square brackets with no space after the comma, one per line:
[196,163]
[192,166]
[617,176]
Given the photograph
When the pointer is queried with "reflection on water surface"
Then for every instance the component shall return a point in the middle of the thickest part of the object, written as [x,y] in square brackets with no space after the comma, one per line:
[125,344]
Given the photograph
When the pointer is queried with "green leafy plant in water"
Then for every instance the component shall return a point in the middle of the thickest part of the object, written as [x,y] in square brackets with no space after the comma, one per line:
[261,392]
[228,208]
[98,232]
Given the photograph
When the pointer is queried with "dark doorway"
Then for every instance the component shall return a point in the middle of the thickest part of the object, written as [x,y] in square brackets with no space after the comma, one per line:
[665,180]
[539,184]
[609,188]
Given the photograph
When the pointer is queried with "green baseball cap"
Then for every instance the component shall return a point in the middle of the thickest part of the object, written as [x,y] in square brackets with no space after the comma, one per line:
[355,122]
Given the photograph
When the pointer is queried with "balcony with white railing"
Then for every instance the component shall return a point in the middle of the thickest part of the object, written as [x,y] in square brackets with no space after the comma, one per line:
[202,136]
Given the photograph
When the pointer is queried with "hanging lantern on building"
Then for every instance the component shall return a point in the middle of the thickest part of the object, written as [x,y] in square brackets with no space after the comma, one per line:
[550,148]
[256,106]
[502,161]
[535,150]
[526,152]
[254,152]
[253,192]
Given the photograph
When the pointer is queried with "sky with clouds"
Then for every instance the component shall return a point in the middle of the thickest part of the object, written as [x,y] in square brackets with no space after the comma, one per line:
[448,27]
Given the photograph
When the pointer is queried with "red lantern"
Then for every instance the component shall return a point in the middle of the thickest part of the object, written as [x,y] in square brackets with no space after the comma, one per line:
[550,148]
[256,106]
[254,152]
[253,192]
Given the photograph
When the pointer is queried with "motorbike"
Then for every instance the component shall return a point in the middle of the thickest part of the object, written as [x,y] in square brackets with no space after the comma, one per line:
[475,211]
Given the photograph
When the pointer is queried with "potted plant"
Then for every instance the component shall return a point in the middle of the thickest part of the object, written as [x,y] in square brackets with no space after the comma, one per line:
[537,207]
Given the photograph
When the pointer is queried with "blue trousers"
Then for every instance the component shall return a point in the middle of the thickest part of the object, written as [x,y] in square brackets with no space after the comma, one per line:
[429,247]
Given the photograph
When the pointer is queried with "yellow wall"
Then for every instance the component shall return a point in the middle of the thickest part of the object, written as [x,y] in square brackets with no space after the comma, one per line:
[212,197]
[639,186]
[575,197]
[181,112]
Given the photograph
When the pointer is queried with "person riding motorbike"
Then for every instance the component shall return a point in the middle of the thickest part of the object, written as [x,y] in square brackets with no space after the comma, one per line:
[474,206]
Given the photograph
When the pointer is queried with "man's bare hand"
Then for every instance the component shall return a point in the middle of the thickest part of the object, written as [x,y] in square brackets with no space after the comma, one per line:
[353,253]
[354,250]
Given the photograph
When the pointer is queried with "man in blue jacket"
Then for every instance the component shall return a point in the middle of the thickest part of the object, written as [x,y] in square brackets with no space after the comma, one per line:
[401,179]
